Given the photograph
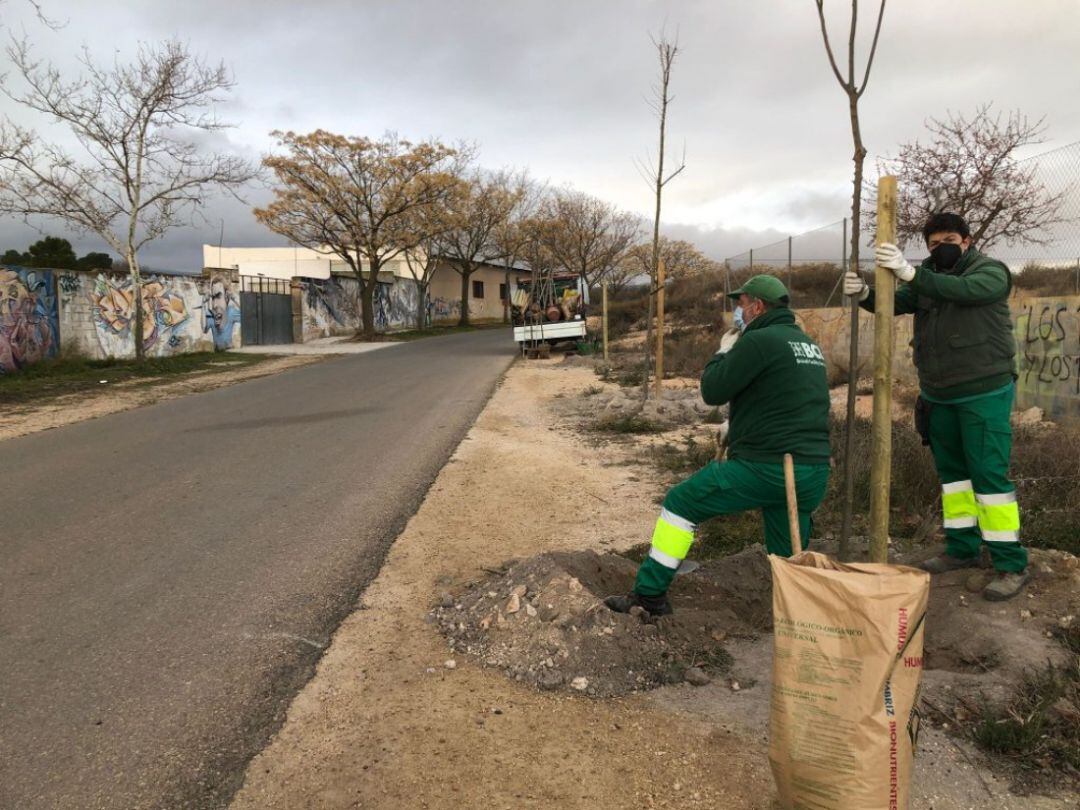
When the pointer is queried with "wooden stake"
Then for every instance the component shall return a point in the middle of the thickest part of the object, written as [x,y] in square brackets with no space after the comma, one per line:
[604,318]
[659,326]
[881,427]
[792,504]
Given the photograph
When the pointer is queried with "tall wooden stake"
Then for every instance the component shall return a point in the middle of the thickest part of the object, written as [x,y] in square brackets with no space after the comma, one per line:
[604,318]
[881,427]
[659,326]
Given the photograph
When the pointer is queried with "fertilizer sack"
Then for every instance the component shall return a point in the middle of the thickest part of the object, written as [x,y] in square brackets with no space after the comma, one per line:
[847,662]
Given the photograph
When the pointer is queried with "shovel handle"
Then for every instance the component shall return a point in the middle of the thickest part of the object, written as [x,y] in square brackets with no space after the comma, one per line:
[792,504]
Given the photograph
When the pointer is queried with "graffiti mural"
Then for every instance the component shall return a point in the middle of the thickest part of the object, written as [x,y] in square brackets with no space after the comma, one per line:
[395,305]
[29,320]
[164,313]
[330,307]
[444,308]
[1047,332]
[220,311]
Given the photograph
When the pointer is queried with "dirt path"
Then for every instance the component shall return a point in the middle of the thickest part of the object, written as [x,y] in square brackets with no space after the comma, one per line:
[21,420]
[387,722]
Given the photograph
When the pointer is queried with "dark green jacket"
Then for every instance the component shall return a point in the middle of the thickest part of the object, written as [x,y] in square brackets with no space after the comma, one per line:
[963,335]
[774,377]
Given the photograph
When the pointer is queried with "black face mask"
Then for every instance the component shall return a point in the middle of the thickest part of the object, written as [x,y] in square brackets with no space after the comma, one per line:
[946,255]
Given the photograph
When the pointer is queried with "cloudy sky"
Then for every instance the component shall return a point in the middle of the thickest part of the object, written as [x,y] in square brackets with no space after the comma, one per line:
[560,87]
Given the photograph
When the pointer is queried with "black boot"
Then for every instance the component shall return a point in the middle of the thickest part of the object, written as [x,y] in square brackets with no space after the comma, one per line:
[653,605]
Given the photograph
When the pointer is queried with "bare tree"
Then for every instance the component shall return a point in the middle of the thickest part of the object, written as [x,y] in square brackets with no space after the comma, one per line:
[356,198]
[666,51]
[853,88]
[476,215]
[585,235]
[969,167]
[143,173]
[681,259]
[512,236]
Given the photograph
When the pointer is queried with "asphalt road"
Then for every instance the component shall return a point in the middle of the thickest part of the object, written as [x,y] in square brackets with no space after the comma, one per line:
[169,576]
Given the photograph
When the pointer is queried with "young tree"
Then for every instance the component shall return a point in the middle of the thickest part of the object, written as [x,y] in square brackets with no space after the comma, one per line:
[476,215]
[143,173]
[969,167]
[356,198]
[584,234]
[666,51]
[853,88]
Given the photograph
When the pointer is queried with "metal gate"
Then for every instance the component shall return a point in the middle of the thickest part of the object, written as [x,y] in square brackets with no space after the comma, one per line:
[265,311]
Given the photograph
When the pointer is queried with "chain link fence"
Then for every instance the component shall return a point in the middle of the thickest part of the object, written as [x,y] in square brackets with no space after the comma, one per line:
[812,262]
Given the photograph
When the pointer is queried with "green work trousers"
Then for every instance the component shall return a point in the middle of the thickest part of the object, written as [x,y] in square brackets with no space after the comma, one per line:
[721,488]
[971,441]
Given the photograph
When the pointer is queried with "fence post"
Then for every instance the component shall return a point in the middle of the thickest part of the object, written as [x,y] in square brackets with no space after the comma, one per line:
[881,426]
[605,320]
[751,260]
[789,263]
[659,326]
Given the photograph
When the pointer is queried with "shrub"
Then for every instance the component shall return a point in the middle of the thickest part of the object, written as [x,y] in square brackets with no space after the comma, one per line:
[1042,281]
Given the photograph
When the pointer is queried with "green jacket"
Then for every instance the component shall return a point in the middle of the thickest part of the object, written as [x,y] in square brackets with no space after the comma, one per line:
[963,334]
[774,377]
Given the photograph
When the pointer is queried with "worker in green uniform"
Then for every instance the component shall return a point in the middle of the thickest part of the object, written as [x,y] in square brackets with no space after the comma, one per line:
[774,377]
[965,355]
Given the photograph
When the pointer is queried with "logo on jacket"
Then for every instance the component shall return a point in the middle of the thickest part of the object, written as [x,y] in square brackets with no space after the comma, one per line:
[806,353]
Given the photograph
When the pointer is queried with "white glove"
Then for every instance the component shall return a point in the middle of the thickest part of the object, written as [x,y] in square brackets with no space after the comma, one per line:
[854,286]
[722,432]
[728,340]
[890,257]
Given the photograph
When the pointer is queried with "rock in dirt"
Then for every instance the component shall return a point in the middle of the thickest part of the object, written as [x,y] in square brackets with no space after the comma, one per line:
[695,676]
[580,683]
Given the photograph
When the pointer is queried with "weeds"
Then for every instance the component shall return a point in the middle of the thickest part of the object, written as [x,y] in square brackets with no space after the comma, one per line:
[1038,727]
[628,424]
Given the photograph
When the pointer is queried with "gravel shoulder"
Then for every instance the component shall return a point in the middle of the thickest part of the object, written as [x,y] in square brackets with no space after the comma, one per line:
[34,417]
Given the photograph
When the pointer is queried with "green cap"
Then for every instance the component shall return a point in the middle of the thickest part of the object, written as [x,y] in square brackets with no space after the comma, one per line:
[767,288]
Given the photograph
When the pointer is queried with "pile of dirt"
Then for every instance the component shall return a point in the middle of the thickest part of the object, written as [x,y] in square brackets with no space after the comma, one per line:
[542,620]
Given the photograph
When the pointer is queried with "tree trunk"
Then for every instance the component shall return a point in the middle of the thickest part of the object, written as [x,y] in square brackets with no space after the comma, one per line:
[463,319]
[367,298]
[506,301]
[421,305]
[136,307]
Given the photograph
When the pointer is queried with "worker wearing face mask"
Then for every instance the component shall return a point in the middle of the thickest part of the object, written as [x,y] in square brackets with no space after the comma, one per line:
[965,355]
[773,376]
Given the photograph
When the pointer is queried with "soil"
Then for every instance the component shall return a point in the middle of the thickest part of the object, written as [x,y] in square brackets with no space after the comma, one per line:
[543,622]
[21,420]
[482,670]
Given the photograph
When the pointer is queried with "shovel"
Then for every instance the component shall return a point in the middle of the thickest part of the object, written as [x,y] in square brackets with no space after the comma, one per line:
[792,504]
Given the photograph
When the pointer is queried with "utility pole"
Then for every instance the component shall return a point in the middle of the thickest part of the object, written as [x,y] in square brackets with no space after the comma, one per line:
[881,427]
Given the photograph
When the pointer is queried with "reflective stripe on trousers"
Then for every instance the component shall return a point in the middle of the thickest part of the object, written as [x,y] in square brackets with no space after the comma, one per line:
[671,539]
[958,507]
[999,517]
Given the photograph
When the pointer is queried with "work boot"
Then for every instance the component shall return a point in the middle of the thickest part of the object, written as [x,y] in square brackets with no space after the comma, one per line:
[1006,585]
[946,562]
[653,605]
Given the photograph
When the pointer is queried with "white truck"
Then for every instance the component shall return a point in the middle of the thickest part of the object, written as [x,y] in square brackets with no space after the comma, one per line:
[539,331]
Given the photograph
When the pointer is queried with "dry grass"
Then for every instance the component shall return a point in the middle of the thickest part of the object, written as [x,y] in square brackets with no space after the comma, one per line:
[1045,282]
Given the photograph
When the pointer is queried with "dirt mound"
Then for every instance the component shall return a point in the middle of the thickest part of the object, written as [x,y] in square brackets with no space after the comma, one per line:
[543,622]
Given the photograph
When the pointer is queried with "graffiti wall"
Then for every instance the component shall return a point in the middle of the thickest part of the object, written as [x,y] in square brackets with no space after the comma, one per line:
[29,318]
[395,305]
[332,306]
[179,314]
[1047,332]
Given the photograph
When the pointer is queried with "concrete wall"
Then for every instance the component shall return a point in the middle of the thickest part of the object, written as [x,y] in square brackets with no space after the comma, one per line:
[180,314]
[29,317]
[1047,332]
